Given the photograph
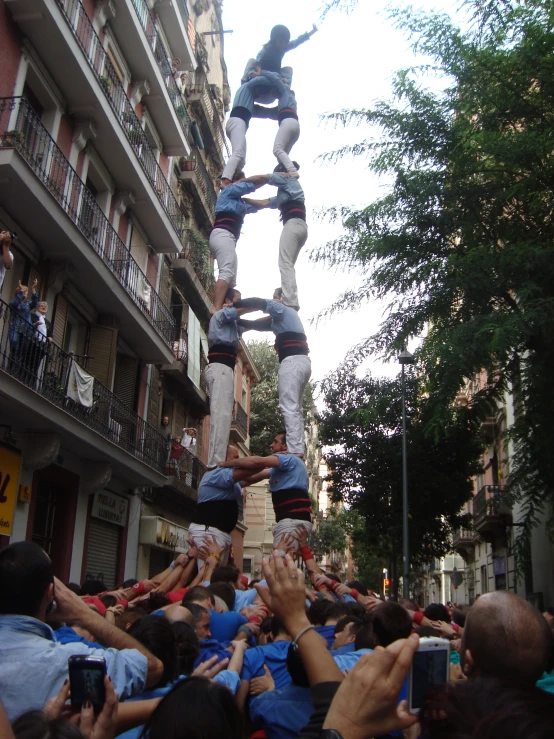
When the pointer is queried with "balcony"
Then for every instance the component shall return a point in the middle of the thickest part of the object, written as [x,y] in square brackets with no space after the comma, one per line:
[463,543]
[141,44]
[178,29]
[195,177]
[179,493]
[193,271]
[490,515]
[200,98]
[36,385]
[35,171]
[239,425]
[178,370]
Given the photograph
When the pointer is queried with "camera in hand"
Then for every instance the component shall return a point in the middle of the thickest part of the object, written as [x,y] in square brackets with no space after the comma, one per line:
[86,679]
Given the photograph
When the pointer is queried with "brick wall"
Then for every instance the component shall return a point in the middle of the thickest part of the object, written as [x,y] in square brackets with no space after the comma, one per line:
[65,135]
[10,51]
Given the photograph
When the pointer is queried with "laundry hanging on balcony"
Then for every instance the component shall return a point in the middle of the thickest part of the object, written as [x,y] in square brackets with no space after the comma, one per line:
[196,135]
[80,385]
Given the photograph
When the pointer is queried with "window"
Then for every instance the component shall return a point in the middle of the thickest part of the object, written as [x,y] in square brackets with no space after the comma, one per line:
[76,333]
[247,566]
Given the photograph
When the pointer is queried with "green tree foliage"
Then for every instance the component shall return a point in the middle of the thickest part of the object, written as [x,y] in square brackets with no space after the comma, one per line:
[461,246]
[362,425]
[368,566]
[266,418]
[329,537]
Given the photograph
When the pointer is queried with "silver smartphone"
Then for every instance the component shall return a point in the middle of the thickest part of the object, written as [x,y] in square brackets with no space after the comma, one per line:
[430,669]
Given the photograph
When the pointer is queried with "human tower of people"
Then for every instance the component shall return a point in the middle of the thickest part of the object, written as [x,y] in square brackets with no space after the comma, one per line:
[265,80]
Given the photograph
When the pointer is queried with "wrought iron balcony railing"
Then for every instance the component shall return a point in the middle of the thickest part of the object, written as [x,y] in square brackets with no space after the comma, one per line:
[485,502]
[201,87]
[96,55]
[160,54]
[21,128]
[187,468]
[46,369]
[240,418]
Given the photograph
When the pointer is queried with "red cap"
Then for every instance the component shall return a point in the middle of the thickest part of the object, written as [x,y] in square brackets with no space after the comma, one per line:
[94,601]
[244,580]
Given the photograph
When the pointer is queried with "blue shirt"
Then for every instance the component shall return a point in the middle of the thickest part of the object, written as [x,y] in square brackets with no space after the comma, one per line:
[274,655]
[211,647]
[66,635]
[291,473]
[265,81]
[244,598]
[230,200]
[33,665]
[347,661]
[282,713]
[289,189]
[223,328]
[328,633]
[218,484]
[284,318]
[287,99]
[346,649]
[224,626]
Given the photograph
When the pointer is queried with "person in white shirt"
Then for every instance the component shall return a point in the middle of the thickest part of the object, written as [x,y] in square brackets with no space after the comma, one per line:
[188,440]
[6,257]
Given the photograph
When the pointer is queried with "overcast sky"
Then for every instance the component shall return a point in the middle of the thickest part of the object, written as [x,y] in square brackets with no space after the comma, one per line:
[348,63]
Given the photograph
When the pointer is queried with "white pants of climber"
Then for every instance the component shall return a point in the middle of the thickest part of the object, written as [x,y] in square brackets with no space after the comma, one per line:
[223,247]
[294,373]
[220,381]
[293,238]
[289,526]
[199,533]
[236,133]
[287,136]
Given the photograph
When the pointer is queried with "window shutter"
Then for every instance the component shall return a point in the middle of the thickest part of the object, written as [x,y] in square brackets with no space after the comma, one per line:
[103,551]
[60,320]
[125,379]
[102,346]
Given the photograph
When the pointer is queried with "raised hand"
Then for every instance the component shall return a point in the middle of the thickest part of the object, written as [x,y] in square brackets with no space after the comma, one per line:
[320,580]
[287,589]
[211,667]
[445,629]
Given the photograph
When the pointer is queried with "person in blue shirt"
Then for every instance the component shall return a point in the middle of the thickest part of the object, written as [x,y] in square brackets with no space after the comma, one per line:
[290,202]
[20,330]
[294,364]
[230,210]
[217,508]
[288,484]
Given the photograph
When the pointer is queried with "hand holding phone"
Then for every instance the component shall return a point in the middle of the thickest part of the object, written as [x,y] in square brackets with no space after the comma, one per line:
[86,678]
[430,669]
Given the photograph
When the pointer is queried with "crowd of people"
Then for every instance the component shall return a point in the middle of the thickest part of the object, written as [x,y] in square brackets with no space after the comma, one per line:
[199,651]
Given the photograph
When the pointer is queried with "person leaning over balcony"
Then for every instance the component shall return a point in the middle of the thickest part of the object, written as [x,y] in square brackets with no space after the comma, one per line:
[223,343]
[6,257]
[230,210]
[21,329]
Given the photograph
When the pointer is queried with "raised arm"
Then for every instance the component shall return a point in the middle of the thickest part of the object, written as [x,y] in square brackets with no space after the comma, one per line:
[255,464]
[301,39]
[257,203]
[260,324]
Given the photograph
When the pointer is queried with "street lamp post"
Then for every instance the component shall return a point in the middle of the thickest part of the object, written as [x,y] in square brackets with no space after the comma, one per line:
[405,358]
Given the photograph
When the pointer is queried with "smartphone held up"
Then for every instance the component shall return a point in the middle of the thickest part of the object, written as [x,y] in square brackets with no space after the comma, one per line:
[430,669]
[86,680]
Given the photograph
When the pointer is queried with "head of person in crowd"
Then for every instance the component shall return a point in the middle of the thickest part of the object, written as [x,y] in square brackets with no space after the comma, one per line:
[108,600]
[487,708]
[22,289]
[176,612]
[37,725]
[225,591]
[278,631]
[365,638]
[355,609]
[346,630]
[125,620]
[187,647]
[196,708]
[74,587]
[459,614]
[278,297]
[229,574]
[165,420]
[279,37]
[359,586]
[93,587]
[252,583]
[428,632]
[201,595]
[437,612]
[391,622]
[27,580]
[323,612]
[505,637]
[154,602]
[157,635]
[42,307]
[129,583]
[201,620]
[265,636]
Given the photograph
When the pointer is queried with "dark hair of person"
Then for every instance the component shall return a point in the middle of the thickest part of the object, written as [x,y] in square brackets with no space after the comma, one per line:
[487,708]
[391,622]
[295,667]
[359,586]
[25,574]
[226,573]
[277,627]
[195,708]
[282,432]
[343,623]
[322,611]
[74,587]
[154,602]
[279,291]
[93,587]
[226,592]
[459,614]
[365,638]
[252,583]
[197,612]
[428,631]
[108,600]
[437,612]
[356,609]
[36,725]
[265,626]
[158,637]
[199,592]
[187,647]
[230,294]
[129,583]
[125,620]
[280,32]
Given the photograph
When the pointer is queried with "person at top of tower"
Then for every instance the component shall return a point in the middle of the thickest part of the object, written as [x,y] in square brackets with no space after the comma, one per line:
[270,58]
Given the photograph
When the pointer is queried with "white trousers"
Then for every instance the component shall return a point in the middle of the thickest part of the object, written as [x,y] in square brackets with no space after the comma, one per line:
[220,381]
[293,238]
[236,133]
[287,136]
[294,373]
[199,533]
[289,526]
[223,247]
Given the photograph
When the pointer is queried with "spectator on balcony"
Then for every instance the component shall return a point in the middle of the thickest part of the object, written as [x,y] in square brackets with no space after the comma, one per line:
[266,85]
[175,456]
[290,201]
[20,332]
[294,363]
[42,336]
[6,257]
[230,210]
[188,440]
